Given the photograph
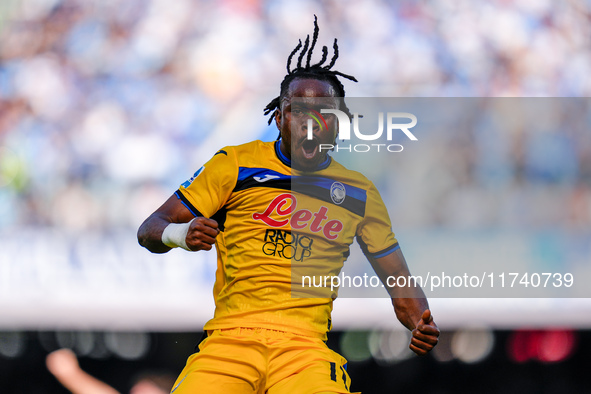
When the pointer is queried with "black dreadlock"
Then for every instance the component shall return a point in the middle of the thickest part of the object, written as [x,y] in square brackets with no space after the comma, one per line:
[315,71]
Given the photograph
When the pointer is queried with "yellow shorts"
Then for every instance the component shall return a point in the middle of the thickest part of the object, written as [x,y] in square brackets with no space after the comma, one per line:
[262,361]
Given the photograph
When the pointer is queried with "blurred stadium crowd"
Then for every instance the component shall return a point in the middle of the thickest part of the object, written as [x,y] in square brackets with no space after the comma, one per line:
[106,106]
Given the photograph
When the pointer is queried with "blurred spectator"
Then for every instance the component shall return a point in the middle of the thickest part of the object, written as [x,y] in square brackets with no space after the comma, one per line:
[63,364]
[99,97]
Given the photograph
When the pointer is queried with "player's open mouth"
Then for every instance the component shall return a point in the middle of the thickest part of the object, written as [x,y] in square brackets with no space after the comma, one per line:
[310,148]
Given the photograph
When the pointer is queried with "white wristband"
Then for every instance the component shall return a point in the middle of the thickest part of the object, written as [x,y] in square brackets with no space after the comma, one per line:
[175,235]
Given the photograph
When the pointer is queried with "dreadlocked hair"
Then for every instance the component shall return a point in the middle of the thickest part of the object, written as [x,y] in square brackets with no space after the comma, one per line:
[313,71]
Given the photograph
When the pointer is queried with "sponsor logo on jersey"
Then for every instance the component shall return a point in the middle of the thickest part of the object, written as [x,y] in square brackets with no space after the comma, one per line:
[284,207]
[287,245]
[338,193]
[266,178]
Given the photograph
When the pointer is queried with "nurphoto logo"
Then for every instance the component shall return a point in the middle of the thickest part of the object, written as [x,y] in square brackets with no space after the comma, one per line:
[344,127]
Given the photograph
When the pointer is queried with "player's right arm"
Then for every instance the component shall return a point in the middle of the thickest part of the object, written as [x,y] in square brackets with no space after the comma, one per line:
[178,224]
[182,221]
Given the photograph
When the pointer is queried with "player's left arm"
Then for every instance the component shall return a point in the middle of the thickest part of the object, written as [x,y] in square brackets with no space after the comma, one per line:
[375,237]
[410,303]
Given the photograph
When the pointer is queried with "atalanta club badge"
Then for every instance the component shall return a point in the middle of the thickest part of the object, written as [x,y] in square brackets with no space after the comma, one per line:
[338,193]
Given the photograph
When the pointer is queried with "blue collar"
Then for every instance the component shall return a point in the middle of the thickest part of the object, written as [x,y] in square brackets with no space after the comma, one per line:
[287,161]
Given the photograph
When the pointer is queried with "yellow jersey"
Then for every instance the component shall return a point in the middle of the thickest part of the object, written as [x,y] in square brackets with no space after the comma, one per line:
[277,226]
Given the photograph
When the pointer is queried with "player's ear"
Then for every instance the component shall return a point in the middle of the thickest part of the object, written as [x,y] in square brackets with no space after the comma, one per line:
[336,134]
[278,119]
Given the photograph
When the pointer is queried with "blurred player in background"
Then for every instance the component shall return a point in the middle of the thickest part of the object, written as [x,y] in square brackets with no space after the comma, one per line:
[63,364]
[261,339]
